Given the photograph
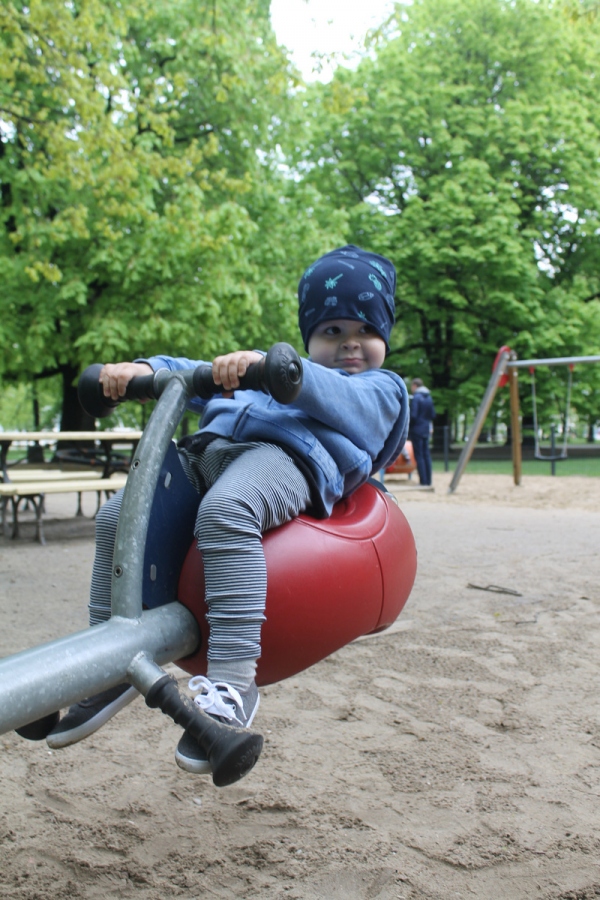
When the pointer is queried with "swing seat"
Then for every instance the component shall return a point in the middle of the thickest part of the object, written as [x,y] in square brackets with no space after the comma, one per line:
[537,453]
[405,463]
[329,580]
[550,458]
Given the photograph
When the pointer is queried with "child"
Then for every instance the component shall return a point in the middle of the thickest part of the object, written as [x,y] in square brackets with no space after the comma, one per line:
[258,464]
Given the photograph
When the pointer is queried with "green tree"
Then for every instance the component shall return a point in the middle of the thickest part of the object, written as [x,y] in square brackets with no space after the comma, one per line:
[140,207]
[466,147]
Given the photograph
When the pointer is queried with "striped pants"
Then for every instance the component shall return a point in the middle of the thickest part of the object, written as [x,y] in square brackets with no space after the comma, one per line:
[247,489]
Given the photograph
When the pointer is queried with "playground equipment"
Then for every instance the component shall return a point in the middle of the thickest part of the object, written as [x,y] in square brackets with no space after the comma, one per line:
[506,371]
[329,582]
[405,463]
[553,456]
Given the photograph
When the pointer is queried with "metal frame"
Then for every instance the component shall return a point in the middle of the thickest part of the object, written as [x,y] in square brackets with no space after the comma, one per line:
[507,364]
[133,644]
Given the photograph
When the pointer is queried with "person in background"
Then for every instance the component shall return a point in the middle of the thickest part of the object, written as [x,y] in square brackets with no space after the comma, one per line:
[422,414]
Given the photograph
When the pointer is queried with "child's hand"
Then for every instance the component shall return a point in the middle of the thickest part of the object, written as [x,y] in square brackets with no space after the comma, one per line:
[114,377]
[227,370]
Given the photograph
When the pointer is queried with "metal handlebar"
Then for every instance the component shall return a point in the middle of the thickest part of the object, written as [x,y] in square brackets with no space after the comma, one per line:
[278,374]
[134,643]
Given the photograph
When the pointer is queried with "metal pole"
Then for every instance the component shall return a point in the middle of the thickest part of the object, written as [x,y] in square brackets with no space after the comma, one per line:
[446,448]
[553,450]
[515,425]
[37,682]
[558,361]
[480,418]
[130,541]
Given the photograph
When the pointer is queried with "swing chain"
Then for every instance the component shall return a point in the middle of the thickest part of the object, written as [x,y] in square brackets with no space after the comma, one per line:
[536,437]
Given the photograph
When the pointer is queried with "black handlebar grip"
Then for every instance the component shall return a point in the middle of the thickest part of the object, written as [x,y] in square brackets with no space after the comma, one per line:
[203,384]
[91,394]
[278,374]
[205,387]
[283,373]
[141,387]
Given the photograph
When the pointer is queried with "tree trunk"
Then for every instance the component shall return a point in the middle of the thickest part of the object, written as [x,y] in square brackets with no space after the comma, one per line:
[527,431]
[35,453]
[590,434]
[441,420]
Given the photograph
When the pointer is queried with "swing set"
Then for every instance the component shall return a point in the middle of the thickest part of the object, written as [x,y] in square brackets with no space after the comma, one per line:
[505,371]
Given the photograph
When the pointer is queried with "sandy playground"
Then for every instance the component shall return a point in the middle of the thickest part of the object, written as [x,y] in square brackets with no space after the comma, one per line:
[456,755]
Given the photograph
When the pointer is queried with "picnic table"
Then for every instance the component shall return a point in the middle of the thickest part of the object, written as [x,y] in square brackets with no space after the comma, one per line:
[107,440]
[99,473]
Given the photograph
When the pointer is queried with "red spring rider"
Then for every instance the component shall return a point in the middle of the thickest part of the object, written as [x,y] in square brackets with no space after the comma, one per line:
[293,553]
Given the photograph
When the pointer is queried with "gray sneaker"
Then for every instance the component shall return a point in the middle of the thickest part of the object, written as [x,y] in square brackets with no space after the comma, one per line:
[87,716]
[224,703]
[40,729]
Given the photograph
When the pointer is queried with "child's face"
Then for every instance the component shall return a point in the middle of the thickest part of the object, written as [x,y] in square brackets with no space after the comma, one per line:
[346,344]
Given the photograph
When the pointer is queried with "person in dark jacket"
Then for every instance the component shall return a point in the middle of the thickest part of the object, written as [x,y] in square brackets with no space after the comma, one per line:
[422,414]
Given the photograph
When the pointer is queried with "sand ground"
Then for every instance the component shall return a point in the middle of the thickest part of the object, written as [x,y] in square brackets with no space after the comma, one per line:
[455,755]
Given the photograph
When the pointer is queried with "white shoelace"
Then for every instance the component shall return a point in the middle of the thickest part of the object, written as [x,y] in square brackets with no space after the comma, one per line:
[214,701]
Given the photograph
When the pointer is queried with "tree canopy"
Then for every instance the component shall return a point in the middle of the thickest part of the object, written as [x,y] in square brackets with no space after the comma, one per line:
[466,147]
[165,178]
[140,209]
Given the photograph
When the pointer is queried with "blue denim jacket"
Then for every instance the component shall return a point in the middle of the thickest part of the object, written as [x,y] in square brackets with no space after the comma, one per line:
[340,428]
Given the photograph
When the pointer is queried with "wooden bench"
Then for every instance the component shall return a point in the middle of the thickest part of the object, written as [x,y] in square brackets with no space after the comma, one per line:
[14,492]
[104,443]
[50,472]
[21,474]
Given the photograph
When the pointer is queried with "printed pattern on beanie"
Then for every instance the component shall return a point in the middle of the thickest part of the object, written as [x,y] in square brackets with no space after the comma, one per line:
[348,283]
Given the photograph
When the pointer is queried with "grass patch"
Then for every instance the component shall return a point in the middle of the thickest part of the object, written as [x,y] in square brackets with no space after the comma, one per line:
[588,468]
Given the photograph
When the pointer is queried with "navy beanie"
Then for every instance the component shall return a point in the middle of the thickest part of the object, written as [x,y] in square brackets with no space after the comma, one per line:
[348,283]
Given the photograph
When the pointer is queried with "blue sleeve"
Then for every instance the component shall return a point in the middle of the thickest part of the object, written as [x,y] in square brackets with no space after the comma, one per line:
[173,363]
[370,408]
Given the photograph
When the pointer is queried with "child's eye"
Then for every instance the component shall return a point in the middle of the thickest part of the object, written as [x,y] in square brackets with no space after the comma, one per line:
[332,330]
